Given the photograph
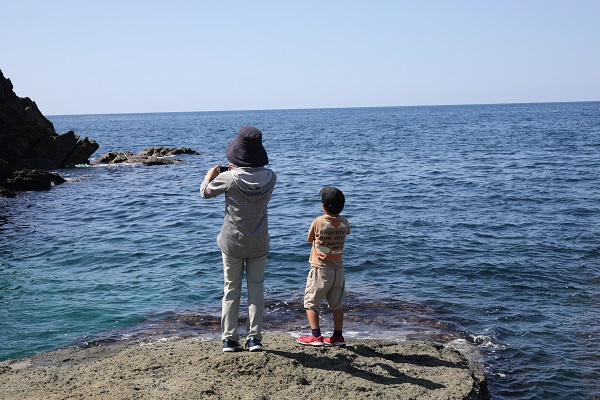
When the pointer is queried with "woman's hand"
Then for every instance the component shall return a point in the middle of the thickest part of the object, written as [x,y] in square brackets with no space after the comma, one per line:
[212,173]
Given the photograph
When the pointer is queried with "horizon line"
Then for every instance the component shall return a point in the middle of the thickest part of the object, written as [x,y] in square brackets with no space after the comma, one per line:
[324,108]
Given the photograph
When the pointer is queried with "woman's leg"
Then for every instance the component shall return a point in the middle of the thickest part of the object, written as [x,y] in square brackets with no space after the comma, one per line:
[233,271]
[255,278]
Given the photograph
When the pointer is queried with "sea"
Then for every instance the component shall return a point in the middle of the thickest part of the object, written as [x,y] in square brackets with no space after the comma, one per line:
[473,226]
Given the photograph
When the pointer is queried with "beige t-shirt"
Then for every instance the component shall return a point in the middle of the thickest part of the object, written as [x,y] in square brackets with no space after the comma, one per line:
[327,235]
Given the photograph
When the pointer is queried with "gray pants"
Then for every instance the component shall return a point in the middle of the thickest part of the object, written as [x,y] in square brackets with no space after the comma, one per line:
[233,272]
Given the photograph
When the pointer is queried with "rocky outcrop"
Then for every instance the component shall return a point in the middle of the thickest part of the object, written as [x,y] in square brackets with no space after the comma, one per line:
[34,179]
[363,369]
[152,156]
[12,180]
[28,141]
[160,151]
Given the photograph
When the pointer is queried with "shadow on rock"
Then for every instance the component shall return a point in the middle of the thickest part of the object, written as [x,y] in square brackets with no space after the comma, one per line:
[349,362]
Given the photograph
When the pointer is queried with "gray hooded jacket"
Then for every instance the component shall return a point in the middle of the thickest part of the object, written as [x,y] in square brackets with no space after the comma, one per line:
[245,230]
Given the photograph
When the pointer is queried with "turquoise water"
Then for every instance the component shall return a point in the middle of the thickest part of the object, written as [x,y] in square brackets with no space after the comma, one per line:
[475,226]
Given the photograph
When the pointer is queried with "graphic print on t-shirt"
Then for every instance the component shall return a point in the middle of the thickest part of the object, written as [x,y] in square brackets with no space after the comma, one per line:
[330,242]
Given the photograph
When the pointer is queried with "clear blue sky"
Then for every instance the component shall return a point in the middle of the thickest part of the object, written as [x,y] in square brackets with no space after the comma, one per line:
[92,56]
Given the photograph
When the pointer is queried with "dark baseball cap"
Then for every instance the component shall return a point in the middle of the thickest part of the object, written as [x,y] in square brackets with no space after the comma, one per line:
[333,199]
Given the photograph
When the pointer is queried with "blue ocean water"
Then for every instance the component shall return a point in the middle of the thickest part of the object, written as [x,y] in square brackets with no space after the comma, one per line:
[475,226]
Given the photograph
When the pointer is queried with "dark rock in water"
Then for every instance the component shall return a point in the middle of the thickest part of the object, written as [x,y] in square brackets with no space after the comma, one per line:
[6,170]
[185,150]
[64,150]
[160,151]
[160,161]
[6,193]
[33,180]
[115,157]
[28,141]
[150,156]
[81,153]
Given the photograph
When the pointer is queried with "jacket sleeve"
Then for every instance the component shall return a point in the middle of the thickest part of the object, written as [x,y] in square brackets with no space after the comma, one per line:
[217,186]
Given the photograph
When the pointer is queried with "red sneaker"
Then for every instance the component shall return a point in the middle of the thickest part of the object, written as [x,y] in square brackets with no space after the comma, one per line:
[334,341]
[311,340]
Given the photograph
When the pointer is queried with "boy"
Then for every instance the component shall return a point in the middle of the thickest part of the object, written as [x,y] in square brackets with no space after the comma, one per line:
[326,277]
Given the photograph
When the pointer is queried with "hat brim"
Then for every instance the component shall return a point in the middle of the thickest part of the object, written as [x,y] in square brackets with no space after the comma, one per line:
[242,157]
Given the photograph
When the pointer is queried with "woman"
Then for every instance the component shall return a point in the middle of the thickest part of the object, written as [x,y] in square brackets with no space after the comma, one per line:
[244,237]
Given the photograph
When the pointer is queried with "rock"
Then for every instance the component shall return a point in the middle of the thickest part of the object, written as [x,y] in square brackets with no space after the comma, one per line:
[28,141]
[149,156]
[53,148]
[186,150]
[114,157]
[198,369]
[6,193]
[29,145]
[160,151]
[6,170]
[22,125]
[82,152]
[160,161]
[33,180]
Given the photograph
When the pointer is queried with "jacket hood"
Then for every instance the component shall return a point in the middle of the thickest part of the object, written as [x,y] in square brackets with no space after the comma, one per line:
[254,183]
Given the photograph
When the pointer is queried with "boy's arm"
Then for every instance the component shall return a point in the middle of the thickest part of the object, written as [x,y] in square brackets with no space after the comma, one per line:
[311,232]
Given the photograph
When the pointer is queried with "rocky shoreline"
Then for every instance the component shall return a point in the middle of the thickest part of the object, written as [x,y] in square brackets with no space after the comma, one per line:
[30,147]
[194,369]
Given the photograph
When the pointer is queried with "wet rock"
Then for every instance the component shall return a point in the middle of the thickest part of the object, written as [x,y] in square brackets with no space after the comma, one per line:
[81,153]
[35,179]
[6,170]
[114,157]
[160,151]
[151,156]
[5,193]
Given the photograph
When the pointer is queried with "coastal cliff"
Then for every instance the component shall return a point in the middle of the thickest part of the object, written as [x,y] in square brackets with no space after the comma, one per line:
[29,145]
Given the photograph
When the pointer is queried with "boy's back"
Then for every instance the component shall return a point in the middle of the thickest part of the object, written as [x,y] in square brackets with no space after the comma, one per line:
[328,234]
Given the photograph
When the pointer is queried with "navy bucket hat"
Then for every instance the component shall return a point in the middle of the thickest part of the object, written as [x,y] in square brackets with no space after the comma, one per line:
[246,150]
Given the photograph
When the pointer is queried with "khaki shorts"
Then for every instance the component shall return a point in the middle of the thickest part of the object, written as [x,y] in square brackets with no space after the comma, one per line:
[326,283]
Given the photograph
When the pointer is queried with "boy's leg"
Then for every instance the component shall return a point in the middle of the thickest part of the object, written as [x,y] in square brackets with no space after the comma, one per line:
[335,299]
[313,296]
[316,286]
[233,270]
[338,319]
[313,318]
[337,339]
[315,338]
[255,278]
